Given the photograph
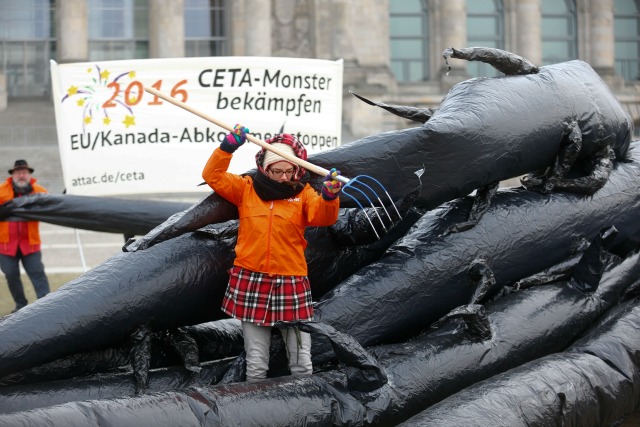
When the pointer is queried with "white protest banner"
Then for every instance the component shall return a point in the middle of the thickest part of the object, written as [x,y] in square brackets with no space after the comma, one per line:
[117,139]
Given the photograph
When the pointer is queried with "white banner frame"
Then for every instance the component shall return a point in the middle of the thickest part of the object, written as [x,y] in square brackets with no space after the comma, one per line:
[116,139]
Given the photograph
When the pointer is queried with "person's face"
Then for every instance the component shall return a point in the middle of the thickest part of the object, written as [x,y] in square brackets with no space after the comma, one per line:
[281,171]
[21,177]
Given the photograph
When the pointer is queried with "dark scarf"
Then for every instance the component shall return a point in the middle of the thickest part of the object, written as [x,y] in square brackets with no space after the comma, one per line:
[17,191]
[268,189]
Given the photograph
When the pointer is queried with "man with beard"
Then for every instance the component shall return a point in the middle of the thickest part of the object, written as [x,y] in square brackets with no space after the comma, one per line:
[20,240]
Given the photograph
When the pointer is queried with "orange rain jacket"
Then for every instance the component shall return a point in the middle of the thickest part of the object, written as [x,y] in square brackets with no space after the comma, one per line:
[6,194]
[271,233]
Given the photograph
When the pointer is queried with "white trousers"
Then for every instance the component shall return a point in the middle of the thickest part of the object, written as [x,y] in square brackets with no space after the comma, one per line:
[257,340]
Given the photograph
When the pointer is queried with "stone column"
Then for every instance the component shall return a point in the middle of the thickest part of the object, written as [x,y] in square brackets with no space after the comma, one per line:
[3,92]
[166,28]
[362,39]
[73,32]
[602,37]
[528,30]
[332,33]
[453,14]
[257,31]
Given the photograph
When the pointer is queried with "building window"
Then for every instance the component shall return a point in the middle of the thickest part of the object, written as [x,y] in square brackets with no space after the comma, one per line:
[559,34]
[27,43]
[205,26]
[485,27]
[627,38]
[409,33]
[118,29]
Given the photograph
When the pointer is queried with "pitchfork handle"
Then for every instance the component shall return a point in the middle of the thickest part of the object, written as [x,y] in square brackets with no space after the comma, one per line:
[293,159]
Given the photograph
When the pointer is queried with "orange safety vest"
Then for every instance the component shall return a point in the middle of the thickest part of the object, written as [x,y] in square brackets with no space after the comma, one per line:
[6,194]
[271,233]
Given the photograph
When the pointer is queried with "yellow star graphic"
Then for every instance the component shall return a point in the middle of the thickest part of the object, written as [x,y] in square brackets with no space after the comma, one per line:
[132,74]
[87,120]
[129,121]
[89,70]
[106,121]
[80,102]
[105,74]
[72,90]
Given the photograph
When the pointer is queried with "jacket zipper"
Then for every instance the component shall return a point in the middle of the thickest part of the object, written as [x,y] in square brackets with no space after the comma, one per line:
[269,237]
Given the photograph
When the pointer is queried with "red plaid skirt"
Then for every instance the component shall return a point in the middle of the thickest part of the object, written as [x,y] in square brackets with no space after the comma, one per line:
[263,299]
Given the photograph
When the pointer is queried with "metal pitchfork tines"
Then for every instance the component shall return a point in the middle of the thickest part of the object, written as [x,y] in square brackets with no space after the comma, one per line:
[352,188]
[351,185]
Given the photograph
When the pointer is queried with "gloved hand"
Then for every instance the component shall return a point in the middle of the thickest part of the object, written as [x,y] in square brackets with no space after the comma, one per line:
[331,186]
[234,139]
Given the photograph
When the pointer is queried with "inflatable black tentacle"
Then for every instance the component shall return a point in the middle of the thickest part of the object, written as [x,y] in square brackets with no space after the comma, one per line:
[420,115]
[503,61]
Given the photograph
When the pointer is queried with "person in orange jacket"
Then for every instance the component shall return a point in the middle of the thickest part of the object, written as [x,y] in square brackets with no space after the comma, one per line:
[268,282]
[20,240]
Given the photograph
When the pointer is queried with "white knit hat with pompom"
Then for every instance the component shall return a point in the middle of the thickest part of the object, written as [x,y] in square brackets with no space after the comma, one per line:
[270,157]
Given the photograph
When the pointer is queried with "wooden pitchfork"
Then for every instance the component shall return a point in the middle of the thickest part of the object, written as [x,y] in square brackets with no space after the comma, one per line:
[361,184]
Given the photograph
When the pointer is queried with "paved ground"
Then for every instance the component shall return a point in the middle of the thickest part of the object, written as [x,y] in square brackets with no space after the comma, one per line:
[67,250]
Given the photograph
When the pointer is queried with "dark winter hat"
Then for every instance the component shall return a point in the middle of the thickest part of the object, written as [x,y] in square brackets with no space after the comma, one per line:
[20,164]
